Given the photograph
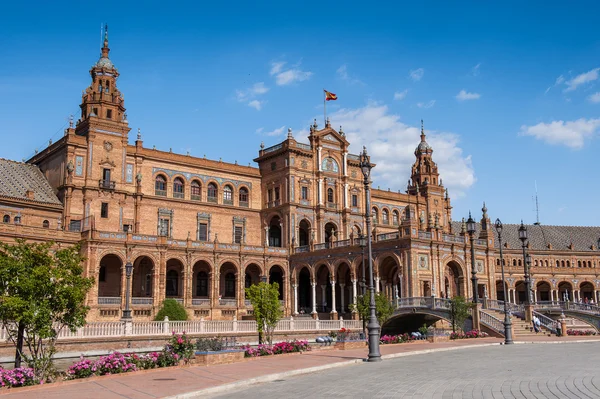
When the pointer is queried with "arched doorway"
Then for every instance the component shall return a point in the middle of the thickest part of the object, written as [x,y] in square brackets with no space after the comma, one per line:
[388,274]
[323,289]
[173,282]
[275,239]
[453,280]
[304,233]
[251,277]
[109,280]
[586,291]
[500,292]
[543,292]
[141,279]
[343,289]
[304,291]
[276,276]
[228,283]
[330,231]
[565,291]
[202,278]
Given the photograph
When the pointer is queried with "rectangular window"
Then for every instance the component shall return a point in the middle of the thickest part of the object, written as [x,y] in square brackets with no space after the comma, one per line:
[270,195]
[304,193]
[238,233]
[203,232]
[276,193]
[104,210]
[354,200]
[108,114]
[163,227]
[127,228]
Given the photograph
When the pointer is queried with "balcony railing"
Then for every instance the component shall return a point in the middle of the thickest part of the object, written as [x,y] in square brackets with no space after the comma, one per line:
[228,302]
[244,204]
[387,236]
[109,300]
[200,302]
[212,199]
[331,205]
[142,301]
[106,184]
[177,195]
[227,201]
[196,197]
[425,234]
[304,248]
[480,242]
[161,193]
[323,245]
[304,146]
[340,243]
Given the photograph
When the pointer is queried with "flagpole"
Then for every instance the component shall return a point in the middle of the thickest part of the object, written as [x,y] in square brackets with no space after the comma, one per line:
[324,108]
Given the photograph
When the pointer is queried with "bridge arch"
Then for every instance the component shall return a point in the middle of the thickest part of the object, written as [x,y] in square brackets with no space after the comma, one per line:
[407,320]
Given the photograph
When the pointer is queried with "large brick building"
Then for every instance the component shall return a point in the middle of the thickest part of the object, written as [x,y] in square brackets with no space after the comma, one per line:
[200,230]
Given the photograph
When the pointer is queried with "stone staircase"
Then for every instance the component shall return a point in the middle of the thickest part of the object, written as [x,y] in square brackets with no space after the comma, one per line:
[521,328]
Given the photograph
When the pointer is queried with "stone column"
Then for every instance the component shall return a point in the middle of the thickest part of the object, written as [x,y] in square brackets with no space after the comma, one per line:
[314,298]
[333,309]
[323,296]
[534,296]
[342,296]
[376,284]
[295,311]
[354,292]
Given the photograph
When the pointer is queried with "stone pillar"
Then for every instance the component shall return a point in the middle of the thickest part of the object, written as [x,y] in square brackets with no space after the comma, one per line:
[333,307]
[342,296]
[534,296]
[395,292]
[376,284]
[354,292]
[295,311]
[323,296]
[216,293]
[314,298]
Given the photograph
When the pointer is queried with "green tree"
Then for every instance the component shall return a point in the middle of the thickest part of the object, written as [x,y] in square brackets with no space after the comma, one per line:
[42,291]
[459,312]
[264,298]
[384,308]
[173,310]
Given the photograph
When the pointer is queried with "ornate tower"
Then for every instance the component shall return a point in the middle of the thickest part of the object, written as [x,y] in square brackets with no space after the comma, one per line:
[424,170]
[102,103]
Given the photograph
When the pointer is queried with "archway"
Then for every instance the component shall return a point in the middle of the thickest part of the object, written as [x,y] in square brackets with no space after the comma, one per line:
[275,239]
[174,278]
[520,291]
[202,279]
[501,292]
[251,277]
[543,292]
[453,280]
[343,289]
[389,280]
[276,276]
[565,291]
[228,281]
[109,280]
[586,291]
[323,289]
[330,231]
[141,279]
[304,233]
[304,291]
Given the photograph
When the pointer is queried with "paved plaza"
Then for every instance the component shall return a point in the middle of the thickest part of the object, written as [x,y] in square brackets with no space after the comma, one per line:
[519,371]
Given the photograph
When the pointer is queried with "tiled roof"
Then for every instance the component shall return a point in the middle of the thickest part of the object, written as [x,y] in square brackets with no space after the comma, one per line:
[17,177]
[560,237]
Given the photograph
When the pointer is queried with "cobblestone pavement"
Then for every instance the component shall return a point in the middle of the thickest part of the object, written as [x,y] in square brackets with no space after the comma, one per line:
[518,371]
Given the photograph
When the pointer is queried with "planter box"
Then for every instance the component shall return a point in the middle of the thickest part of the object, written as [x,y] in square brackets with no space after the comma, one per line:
[350,345]
[221,357]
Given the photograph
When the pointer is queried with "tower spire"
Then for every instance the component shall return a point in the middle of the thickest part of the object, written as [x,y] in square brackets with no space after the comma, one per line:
[422,131]
[105,50]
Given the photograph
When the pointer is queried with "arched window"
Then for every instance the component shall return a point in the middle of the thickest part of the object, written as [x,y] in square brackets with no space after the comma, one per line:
[160,185]
[589,263]
[519,262]
[375,215]
[385,215]
[568,264]
[395,218]
[172,288]
[497,262]
[177,188]
[578,263]
[330,195]
[17,219]
[228,195]
[535,263]
[230,285]
[514,262]
[202,284]
[244,197]
[195,190]
[562,263]
[546,263]
[45,224]
[211,192]
[6,219]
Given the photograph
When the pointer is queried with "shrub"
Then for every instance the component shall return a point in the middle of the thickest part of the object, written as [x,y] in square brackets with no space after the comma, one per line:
[19,377]
[182,346]
[209,344]
[173,310]
[396,339]
[276,349]
[468,334]
[580,332]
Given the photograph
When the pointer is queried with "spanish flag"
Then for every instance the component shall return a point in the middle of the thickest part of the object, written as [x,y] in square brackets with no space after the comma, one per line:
[329,96]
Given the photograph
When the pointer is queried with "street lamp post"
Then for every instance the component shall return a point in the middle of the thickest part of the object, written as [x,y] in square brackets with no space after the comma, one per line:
[523,237]
[362,240]
[507,323]
[263,279]
[373,326]
[471,231]
[128,271]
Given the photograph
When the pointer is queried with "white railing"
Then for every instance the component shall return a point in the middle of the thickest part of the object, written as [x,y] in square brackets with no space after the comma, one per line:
[573,306]
[200,302]
[491,322]
[147,328]
[228,302]
[547,322]
[142,301]
[109,300]
[499,305]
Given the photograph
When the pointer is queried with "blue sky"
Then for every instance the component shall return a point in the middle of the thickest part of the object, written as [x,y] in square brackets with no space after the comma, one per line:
[508,94]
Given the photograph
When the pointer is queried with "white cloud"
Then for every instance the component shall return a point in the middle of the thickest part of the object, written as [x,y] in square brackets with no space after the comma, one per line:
[465,95]
[256,104]
[342,72]
[400,95]
[571,134]
[260,130]
[595,98]
[558,81]
[275,132]
[426,105]
[583,78]
[288,76]
[391,144]
[249,95]
[475,70]
[416,74]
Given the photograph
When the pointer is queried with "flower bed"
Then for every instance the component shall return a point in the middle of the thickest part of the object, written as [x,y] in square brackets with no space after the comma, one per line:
[395,339]
[468,334]
[19,377]
[580,332]
[276,349]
